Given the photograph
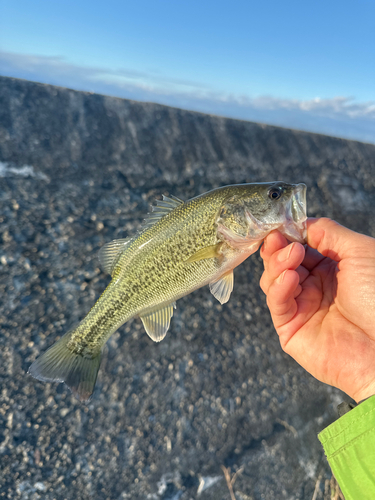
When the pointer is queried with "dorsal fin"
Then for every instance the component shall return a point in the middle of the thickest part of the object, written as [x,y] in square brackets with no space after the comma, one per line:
[110,252]
[163,207]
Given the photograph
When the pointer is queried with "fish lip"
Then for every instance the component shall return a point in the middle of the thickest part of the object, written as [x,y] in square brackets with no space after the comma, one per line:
[298,203]
[296,216]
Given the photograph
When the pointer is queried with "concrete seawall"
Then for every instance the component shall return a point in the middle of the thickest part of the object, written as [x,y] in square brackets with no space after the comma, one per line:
[78,170]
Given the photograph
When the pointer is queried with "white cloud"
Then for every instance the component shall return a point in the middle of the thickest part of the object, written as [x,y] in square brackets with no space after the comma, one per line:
[56,66]
[339,116]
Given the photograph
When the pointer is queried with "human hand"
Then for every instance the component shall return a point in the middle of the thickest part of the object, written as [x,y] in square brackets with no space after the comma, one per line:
[322,302]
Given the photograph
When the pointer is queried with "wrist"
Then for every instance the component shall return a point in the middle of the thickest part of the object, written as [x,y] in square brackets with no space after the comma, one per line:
[365,392]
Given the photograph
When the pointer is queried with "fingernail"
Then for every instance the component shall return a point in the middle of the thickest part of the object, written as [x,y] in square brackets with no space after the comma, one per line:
[280,279]
[285,253]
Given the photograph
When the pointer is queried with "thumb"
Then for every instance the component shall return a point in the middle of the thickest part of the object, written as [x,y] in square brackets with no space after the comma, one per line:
[335,241]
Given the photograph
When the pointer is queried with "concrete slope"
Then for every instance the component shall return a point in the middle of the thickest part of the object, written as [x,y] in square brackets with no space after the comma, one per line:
[78,170]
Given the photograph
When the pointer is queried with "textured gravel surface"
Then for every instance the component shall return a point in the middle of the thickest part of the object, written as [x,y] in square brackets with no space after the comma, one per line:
[78,170]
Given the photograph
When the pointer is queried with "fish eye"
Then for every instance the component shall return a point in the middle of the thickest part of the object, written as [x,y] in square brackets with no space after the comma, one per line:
[275,193]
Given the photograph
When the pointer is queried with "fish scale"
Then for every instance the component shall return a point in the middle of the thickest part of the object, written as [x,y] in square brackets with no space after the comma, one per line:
[182,247]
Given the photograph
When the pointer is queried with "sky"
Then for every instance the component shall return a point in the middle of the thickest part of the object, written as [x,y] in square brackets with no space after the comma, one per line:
[305,65]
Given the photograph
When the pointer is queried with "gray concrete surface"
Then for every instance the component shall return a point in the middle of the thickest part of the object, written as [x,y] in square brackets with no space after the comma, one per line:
[78,170]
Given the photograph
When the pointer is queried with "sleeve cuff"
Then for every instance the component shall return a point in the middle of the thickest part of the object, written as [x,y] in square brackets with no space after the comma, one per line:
[350,427]
[349,444]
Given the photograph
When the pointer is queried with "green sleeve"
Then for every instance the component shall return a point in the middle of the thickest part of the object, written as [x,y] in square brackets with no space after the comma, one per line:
[349,444]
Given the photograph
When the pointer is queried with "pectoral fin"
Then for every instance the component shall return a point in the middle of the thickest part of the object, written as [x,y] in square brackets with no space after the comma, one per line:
[210,252]
[157,322]
[222,288]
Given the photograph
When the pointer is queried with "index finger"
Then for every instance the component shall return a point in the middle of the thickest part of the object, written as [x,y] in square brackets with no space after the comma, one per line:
[272,243]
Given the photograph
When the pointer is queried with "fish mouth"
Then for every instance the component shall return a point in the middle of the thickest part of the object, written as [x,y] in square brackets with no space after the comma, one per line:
[295,227]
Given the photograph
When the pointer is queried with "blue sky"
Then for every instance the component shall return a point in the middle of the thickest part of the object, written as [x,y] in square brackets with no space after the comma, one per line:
[306,65]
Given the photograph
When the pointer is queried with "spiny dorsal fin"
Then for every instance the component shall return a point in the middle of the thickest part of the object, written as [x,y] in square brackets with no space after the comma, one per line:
[157,322]
[163,207]
[222,288]
[110,252]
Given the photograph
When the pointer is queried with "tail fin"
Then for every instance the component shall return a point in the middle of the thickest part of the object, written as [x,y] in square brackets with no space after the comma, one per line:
[60,364]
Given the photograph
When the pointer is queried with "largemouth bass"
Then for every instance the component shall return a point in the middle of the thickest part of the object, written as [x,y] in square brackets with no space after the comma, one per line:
[181,247]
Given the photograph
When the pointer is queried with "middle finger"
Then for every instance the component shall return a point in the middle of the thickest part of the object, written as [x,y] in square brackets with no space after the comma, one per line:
[289,257]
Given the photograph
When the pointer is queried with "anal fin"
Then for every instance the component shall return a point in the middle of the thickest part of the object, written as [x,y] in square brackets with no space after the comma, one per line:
[222,288]
[157,322]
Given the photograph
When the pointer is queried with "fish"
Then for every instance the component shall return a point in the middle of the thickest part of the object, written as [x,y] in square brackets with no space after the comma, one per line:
[181,246]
